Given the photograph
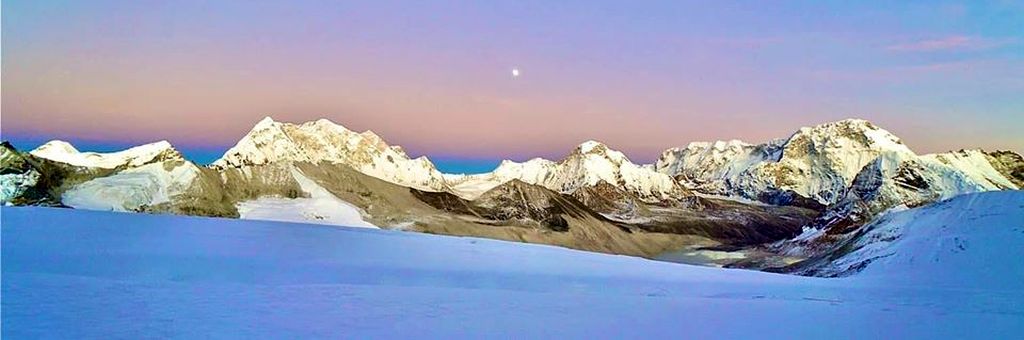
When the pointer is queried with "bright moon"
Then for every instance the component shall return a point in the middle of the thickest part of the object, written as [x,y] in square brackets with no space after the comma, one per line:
[515,72]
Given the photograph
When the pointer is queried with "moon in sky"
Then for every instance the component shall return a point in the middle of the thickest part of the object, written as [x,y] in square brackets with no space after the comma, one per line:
[515,73]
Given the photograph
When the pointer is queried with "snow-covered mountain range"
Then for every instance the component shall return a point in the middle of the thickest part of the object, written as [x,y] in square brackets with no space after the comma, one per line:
[817,162]
[836,164]
[587,165]
[64,152]
[830,179]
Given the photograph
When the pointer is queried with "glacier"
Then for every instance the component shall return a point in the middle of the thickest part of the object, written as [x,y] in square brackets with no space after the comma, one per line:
[321,207]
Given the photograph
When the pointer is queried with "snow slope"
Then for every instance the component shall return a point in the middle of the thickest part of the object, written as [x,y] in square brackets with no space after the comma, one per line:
[321,207]
[91,274]
[972,240]
[64,152]
[325,141]
[975,165]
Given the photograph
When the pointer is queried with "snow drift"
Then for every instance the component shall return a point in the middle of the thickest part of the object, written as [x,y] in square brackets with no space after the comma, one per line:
[972,240]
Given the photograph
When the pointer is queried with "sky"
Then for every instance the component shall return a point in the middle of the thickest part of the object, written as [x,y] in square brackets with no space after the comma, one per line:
[436,76]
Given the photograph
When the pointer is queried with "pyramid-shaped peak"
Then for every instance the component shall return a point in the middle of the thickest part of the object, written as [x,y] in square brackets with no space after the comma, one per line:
[265,122]
[595,148]
[591,146]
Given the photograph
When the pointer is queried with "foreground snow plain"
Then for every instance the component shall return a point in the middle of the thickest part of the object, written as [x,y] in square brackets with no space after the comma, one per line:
[89,274]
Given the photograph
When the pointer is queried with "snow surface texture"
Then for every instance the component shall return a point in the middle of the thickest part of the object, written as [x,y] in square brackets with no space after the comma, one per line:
[64,152]
[325,141]
[587,165]
[321,207]
[89,274]
[973,240]
[131,189]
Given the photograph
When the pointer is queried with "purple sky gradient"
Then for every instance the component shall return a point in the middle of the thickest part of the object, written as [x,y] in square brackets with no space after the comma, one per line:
[435,78]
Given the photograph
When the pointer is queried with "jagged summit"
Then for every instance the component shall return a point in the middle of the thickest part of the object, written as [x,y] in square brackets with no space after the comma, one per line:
[816,162]
[718,145]
[64,152]
[264,123]
[848,134]
[588,164]
[325,141]
[591,146]
[596,149]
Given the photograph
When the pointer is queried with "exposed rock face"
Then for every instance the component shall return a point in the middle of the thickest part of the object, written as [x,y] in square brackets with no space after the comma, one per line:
[1010,165]
[611,201]
[525,212]
[515,211]
[17,175]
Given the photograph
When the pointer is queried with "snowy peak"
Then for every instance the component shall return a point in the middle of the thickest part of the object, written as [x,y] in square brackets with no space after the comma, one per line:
[57,147]
[820,162]
[708,166]
[264,123]
[848,134]
[325,141]
[592,148]
[64,152]
[587,165]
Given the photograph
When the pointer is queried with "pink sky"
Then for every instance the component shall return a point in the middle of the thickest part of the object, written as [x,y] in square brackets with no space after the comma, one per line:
[436,80]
